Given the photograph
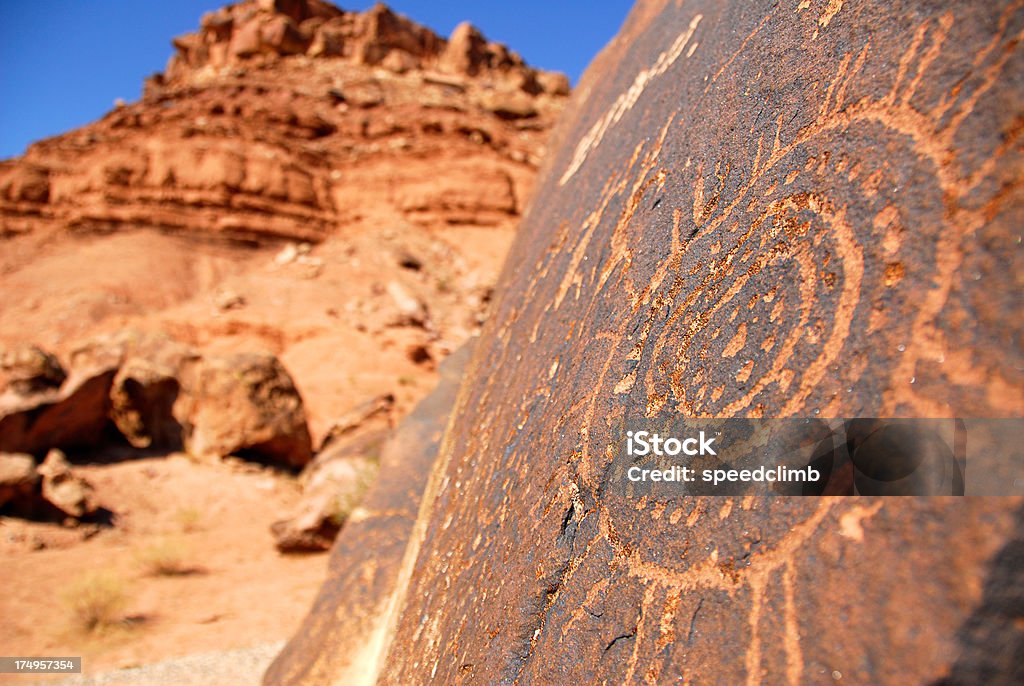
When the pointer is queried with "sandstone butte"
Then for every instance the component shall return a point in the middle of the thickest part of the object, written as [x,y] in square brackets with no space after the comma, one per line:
[751,209]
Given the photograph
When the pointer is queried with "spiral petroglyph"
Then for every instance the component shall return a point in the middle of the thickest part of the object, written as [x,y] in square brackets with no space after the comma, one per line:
[780,218]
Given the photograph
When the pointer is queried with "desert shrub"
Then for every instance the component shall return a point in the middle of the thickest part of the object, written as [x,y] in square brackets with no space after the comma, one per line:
[96,600]
[165,557]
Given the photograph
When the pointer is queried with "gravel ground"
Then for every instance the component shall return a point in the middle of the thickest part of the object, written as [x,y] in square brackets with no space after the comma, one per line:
[242,667]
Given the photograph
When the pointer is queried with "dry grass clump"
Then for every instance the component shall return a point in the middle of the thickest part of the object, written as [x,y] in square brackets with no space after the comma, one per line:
[166,557]
[96,600]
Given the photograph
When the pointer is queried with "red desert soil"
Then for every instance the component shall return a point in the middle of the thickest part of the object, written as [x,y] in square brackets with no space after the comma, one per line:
[237,590]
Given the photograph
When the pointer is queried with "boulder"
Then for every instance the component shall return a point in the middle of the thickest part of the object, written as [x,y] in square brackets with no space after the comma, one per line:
[370,415]
[75,416]
[327,42]
[466,51]
[18,478]
[142,404]
[63,489]
[282,36]
[246,41]
[147,386]
[300,10]
[328,499]
[381,32]
[334,482]
[247,405]
[28,369]
[157,393]
[218,24]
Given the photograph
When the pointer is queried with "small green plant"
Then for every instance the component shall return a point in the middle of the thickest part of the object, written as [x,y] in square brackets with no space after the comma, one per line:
[348,498]
[165,557]
[96,600]
[189,519]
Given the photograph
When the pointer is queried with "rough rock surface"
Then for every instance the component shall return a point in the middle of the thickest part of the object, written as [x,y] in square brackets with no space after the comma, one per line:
[18,478]
[756,209]
[159,393]
[142,400]
[367,555]
[74,416]
[256,78]
[27,369]
[145,389]
[51,490]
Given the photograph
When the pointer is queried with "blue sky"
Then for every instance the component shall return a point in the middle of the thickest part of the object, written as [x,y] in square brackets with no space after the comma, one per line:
[64,62]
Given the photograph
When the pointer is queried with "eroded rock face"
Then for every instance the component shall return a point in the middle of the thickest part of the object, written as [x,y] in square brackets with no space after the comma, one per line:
[330,139]
[146,388]
[49,491]
[159,393]
[76,415]
[28,369]
[757,210]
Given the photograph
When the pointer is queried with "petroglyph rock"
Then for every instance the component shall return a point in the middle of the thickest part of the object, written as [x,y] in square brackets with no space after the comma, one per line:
[756,209]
